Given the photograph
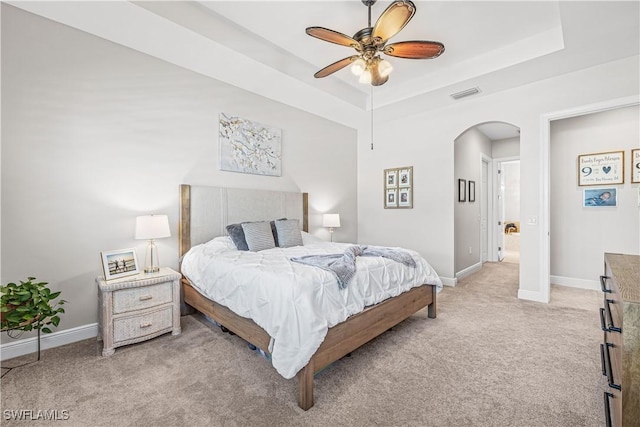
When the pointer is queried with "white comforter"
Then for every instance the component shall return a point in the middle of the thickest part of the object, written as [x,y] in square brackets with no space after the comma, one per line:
[295,303]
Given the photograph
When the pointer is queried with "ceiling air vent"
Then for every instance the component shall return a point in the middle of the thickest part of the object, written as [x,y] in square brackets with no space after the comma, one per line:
[466,92]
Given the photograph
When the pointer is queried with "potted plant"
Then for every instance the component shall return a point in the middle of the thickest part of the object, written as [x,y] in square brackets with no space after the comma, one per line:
[29,306]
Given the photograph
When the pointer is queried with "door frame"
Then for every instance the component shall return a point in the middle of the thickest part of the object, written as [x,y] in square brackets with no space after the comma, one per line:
[494,223]
[544,230]
[485,237]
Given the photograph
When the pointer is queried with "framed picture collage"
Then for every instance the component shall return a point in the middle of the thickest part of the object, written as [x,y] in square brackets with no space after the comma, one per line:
[398,188]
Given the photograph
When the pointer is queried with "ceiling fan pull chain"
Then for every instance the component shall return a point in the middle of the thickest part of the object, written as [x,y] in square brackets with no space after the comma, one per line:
[371,118]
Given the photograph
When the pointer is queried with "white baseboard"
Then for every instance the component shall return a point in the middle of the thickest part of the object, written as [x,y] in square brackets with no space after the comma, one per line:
[17,348]
[532,296]
[447,281]
[469,270]
[575,283]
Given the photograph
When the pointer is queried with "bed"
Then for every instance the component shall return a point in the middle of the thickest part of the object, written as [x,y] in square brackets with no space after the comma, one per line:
[317,341]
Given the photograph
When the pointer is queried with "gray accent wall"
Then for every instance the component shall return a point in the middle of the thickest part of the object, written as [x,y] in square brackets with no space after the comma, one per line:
[94,134]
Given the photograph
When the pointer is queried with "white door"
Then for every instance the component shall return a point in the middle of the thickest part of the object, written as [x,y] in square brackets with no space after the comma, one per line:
[500,212]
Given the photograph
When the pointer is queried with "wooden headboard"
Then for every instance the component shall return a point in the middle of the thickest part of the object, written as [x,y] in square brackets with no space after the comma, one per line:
[206,211]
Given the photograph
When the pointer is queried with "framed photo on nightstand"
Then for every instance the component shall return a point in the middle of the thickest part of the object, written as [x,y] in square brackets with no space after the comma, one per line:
[119,263]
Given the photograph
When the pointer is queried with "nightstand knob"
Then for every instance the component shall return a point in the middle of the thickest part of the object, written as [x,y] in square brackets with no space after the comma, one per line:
[145,297]
[145,325]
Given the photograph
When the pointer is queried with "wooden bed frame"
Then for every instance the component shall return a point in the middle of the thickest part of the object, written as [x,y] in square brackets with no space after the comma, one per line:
[340,340]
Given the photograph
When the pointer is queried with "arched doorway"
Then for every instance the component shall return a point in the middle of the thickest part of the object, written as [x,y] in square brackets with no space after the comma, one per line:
[480,209]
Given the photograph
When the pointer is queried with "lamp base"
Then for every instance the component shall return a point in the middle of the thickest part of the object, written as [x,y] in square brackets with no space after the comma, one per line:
[151,258]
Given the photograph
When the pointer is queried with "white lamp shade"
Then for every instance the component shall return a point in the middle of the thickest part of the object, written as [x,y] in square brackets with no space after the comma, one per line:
[331,220]
[152,227]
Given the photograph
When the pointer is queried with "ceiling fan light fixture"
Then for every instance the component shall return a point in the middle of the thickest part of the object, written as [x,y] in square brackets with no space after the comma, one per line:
[384,68]
[358,67]
[370,41]
[365,77]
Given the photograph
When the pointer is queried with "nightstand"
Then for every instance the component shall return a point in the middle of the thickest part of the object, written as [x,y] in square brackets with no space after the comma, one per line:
[137,308]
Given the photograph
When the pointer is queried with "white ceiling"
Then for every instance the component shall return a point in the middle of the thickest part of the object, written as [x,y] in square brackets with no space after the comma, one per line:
[492,45]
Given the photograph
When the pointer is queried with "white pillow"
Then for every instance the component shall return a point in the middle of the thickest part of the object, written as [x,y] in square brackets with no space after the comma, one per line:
[225,240]
[258,235]
[288,233]
[310,239]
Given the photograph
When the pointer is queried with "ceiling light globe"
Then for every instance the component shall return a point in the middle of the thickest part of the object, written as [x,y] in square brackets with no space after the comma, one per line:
[384,68]
[358,67]
[365,77]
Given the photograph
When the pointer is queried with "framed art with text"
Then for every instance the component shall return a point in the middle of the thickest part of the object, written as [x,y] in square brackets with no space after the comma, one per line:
[601,168]
[398,188]
[635,166]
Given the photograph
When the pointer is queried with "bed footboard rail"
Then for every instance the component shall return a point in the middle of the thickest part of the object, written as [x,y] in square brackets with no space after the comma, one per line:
[360,329]
[245,328]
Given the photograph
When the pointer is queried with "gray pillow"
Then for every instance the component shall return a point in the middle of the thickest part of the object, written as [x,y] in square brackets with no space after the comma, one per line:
[289,233]
[236,233]
[258,235]
[237,236]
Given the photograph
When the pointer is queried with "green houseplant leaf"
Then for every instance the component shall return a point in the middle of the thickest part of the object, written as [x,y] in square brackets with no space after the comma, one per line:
[29,305]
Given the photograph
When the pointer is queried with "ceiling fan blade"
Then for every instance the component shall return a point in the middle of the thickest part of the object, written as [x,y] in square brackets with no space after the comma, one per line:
[338,65]
[332,37]
[393,19]
[415,49]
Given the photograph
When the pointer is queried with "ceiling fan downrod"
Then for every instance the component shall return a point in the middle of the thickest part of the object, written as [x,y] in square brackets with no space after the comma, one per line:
[369,3]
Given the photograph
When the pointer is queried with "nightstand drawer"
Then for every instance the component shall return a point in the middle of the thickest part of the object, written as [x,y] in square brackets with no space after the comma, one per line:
[126,328]
[140,298]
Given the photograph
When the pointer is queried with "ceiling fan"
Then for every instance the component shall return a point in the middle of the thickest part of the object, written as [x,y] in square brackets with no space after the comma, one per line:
[371,41]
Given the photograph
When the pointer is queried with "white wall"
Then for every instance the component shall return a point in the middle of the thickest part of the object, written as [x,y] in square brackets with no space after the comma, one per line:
[580,235]
[508,147]
[94,134]
[425,141]
[468,148]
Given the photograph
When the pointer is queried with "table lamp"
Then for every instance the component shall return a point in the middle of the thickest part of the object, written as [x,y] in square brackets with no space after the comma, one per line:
[332,221]
[152,227]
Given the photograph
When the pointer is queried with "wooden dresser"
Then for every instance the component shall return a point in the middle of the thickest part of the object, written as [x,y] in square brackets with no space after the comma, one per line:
[620,352]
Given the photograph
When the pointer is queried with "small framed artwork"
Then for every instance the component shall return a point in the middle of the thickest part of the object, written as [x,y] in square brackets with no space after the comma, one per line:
[119,263]
[462,190]
[391,178]
[472,191]
[404,177]
[404,198]
[635,166]
[398,187]
[392,198]
[601,168]
[599,197]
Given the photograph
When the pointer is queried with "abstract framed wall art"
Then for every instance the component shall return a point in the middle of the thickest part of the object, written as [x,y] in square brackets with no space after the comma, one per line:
[601,168]
[249,147]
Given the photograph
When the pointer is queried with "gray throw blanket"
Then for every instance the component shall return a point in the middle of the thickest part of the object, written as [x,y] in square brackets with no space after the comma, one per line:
[344,265]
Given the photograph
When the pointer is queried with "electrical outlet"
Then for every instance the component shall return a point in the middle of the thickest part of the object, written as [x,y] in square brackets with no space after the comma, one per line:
[469,250]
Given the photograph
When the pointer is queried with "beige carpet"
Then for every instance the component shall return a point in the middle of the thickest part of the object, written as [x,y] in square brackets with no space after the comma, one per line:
[489,359]
[512,247]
